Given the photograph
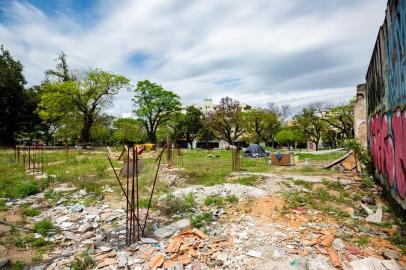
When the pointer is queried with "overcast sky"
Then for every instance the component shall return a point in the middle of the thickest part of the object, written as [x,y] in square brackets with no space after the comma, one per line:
[283,51]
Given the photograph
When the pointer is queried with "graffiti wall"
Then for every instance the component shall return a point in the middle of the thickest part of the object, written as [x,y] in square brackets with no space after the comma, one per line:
[386,102]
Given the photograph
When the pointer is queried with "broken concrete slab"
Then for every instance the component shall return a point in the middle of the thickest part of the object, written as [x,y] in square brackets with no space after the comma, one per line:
[170,229]
[375,217]
[373,263]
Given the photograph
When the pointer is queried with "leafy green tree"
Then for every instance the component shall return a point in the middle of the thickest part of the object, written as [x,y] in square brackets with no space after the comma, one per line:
[154,106]
[309,121]
[289,135]
[61,72]
[128,130]
[101,131]
[188,125]
[13,114]
[87,95]
[263,123]
[226,120]
[339,118]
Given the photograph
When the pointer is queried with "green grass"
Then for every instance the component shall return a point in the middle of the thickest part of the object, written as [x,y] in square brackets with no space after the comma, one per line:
[362,241]
[216,201]
[44,227]
[29,211]
[18,265]
[232,198]
[83,261]
[171,204]
[321,157]
[201,221]
[305,184]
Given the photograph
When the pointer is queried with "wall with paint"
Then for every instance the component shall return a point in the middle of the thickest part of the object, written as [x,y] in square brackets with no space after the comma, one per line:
[386,102]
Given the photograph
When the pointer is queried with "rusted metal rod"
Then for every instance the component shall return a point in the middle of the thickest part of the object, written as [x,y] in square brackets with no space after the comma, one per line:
[153,188]
[121,185]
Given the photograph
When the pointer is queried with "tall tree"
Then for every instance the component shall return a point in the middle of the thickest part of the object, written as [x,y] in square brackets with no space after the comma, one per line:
[289,135]
[264,123]
[339,118]
[311,123]
[128,130]
[11,97]
[88,95]
[154,106]
[188,125]
[61,72]
[226,120]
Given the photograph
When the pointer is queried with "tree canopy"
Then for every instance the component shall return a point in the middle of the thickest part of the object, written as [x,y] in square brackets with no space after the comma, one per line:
[226,120]
[87,96]
[154,106]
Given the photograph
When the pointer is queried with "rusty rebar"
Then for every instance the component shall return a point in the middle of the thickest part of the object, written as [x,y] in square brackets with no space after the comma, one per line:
[153,188]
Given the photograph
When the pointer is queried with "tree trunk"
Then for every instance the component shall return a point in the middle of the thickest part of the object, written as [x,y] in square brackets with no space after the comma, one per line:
[87,124]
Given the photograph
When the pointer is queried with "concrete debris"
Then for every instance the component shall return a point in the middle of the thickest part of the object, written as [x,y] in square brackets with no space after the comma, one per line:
[254,253]
[241,191]
[375,217]
[373,263]
[170,229]
[390,254]
[4,262]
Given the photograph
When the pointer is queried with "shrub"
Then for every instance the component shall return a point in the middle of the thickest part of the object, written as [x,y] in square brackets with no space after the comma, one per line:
[44,227]
[18,265]
[83,262]
[232,198]
[173,205]
[214,200]
[30,212]
[201,221]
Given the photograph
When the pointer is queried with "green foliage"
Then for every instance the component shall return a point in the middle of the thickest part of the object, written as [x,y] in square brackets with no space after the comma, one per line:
[44,227]
[249,180]
[216,201]
[18,265]
[187,125]
[263,123]
[29,240]
[83,262]
[173,205]
[30,212]
[154,106]
[311,124]
[101,167]
[232,198]
[226,120]
[128,130]
[303,183]
[3,206]
[11,96]
[190,200]
[290,135]
[85,96]
[333,185]
[201,221]
[362,241]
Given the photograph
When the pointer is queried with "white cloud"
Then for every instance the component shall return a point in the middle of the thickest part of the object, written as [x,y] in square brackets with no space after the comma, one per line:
[278,51]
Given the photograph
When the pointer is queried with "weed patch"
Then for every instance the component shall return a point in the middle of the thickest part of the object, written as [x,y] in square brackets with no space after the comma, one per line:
[216,201]
[174,205]
[83,262]
[232,198]
[201,221]
[44,227]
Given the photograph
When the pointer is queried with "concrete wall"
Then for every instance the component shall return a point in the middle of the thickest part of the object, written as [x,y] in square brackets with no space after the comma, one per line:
[386,102]
[360,116]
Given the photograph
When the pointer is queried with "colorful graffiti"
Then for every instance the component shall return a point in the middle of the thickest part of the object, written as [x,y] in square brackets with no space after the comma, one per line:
[386,101]
[388,148]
